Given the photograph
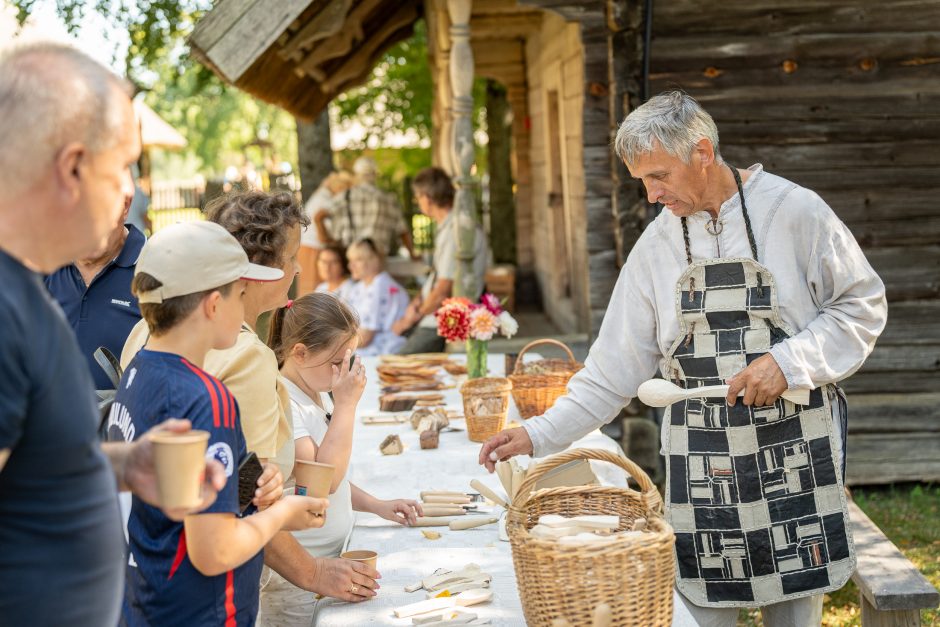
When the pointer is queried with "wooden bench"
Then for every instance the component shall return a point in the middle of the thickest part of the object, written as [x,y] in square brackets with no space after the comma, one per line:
[891,590]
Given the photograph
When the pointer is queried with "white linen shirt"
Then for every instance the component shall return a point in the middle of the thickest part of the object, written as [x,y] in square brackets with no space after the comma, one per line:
[828,295]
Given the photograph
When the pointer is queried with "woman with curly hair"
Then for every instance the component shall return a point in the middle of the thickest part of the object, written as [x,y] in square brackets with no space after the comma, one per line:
[268,226]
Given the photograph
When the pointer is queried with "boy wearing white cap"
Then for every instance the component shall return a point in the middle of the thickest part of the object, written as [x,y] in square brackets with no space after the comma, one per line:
[190,284]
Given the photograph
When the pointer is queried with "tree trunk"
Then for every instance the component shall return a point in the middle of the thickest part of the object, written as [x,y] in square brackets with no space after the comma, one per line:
[502,205]
[314,153]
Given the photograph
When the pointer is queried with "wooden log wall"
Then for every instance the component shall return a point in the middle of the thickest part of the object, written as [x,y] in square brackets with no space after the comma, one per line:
[843,97]
[588,125]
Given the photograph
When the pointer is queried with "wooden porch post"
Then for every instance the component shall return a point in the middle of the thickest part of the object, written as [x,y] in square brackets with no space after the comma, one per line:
[461,80]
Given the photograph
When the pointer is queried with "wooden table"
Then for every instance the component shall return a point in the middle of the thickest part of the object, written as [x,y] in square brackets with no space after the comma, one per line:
[405,555]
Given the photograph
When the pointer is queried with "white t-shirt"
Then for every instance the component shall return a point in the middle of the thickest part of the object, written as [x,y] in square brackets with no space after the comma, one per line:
[310,421]
[379,305]
[342,292]
[322,199]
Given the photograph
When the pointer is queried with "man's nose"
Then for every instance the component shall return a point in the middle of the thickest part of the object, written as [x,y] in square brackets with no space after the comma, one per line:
[127,185]
[653,193]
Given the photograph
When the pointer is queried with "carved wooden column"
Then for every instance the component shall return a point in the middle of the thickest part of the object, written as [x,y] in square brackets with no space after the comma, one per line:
[461,80]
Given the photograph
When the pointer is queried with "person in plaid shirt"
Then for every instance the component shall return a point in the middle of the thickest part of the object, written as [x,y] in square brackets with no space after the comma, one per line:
[367,211]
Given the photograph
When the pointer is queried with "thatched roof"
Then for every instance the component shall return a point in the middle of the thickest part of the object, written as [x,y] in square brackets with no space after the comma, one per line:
[300,54]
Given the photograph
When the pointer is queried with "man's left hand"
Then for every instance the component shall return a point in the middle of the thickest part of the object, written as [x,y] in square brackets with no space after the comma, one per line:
[141,478]
[762,381]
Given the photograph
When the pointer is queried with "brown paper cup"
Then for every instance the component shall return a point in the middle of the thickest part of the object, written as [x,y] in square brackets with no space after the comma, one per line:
[312,478]
[366,557]
[180,463]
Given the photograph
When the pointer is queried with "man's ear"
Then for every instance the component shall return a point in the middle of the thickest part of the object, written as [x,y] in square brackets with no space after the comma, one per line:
[70,168]
[705,152]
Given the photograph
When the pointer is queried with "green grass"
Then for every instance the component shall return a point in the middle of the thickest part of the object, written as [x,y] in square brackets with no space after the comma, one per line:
[909,514]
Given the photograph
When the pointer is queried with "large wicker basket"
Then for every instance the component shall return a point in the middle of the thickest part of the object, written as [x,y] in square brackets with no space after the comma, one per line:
[485,406]
[633,575]
[547,379]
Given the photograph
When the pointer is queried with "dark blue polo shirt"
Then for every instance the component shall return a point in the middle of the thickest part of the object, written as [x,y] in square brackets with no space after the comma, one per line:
[103,313]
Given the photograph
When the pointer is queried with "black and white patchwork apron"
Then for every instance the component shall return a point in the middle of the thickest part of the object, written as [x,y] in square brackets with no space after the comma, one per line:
[754,494]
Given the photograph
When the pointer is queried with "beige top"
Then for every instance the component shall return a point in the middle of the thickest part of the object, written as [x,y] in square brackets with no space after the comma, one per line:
[249,370]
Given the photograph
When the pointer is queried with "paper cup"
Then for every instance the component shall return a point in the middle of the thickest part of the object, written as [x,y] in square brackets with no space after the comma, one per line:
[366,557]
[312,478]
[180,463]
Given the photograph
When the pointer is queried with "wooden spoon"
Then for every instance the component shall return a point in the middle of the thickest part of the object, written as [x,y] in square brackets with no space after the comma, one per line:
[661,393]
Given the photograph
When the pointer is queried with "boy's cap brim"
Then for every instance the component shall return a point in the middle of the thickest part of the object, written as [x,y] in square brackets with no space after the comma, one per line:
[263,274]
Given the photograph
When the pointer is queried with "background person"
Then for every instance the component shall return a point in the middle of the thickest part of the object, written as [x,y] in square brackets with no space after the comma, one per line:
[434,192]
[377,298]
[95,294]
[69,138]
[315,236]
[364,210]
[334,269]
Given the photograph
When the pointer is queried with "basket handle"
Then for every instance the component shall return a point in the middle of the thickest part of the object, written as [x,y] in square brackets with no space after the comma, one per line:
[650,494]
[561,345]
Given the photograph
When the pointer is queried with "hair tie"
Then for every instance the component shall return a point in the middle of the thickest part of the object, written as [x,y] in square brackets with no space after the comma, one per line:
[290,303]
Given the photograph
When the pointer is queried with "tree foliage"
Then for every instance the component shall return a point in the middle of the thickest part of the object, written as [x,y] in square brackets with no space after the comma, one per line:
[218,120]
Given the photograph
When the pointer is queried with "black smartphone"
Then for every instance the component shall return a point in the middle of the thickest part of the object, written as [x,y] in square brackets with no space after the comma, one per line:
[248,472]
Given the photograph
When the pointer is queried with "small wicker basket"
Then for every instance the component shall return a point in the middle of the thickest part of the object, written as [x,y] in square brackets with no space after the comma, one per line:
[634,575]
[485,406]
[535,392]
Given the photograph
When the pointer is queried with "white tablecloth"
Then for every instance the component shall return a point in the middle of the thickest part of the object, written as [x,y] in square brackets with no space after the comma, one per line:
[405,555]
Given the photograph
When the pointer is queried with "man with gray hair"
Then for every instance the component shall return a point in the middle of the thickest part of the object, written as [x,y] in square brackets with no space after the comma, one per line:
[365,211]
[69,137]
[751,280]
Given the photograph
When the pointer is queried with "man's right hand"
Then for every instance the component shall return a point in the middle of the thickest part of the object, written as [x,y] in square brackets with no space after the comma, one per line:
[345,579]
[304,512]
[504,445]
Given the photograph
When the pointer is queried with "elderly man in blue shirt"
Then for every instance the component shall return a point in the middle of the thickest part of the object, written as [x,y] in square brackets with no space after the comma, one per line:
[95,294]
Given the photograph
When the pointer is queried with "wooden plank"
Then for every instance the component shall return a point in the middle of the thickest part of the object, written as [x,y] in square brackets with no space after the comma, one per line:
[898,358]
[793,18]
[910,381]
[894,413]
[504,26]
[887,618]
[883,127]
[756,50]
[912,322]
[884,576]
[879,458]
[860,205]
[833,156]
[903,279]
[823,181]
[251,36]
[326,23]
[919,230]
[828,101]
[214,24]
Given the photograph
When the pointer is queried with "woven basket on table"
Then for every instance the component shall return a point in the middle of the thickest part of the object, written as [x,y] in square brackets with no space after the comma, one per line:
[534,393]
[485,406]
[633,575]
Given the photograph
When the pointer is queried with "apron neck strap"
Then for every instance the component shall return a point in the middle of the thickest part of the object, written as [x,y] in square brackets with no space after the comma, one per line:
[747,227]
[747,221]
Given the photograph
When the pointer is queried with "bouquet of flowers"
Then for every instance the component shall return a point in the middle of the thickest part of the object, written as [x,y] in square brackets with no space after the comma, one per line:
[459,320]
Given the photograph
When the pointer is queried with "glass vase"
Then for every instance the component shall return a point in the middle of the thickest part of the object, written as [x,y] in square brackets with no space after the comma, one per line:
[476,359]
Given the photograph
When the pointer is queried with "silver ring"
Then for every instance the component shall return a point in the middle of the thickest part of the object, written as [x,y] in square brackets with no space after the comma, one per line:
[354,589]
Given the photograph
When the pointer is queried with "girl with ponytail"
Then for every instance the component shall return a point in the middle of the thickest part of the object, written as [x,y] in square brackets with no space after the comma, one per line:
[314,338]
